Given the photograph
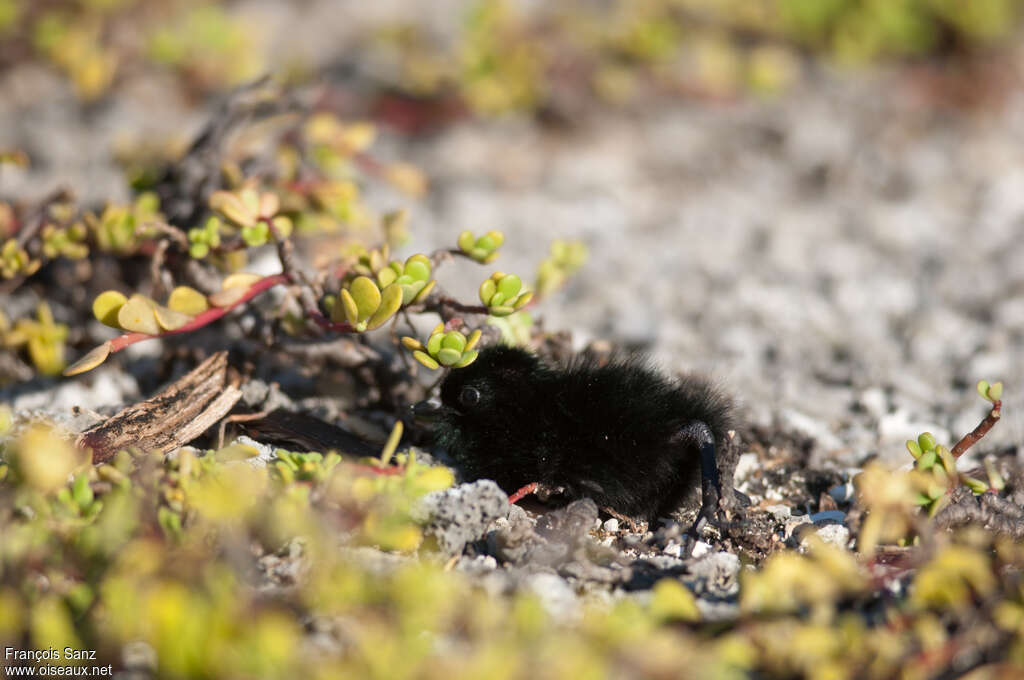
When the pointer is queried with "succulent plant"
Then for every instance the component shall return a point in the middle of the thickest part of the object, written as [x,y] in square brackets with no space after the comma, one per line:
[43,337]
[69,242]
[991,393]
[291,466]
[203,239]
[935,465]
[444,348]
[254,213]
[413,277]
[483,249]
[15,260]
[503,294]
[564,259]
[120,228]
[365,305]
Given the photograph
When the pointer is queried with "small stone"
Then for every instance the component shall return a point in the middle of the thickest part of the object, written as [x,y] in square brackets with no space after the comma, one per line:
[674,549]
[779,512]
[746,465]
[265,455]
[611,525]
[462,514]
[812,427]
[793,522]
[842,493]
[481,564]
[700,549]
[555,594]
[828,517]
[874,401]
[716,574]
[834,534]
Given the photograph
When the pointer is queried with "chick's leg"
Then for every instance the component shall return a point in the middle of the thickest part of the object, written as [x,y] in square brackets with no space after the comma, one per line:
[698,435]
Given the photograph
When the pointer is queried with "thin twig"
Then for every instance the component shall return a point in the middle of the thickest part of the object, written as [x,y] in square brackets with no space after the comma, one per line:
[237,418]
[972,437]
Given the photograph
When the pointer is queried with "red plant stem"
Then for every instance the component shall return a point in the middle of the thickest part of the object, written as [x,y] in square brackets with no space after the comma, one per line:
[523,492]
[327,324]
[972,437]
[204,318]
[374,470]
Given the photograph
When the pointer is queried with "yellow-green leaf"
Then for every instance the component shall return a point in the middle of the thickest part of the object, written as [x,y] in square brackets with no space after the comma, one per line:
[228,296]
[487,290]
[467,358]
[671,600]
[91,360]
[425,359]
[187,301]
[391,300]
[232,207]
[106,306]
[422,295]
[366,295]
[170,319]
[449,357]
[239,280]
[137,315]
[349,307]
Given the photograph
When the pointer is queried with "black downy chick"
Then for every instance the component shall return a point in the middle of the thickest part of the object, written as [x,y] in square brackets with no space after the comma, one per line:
[622,434]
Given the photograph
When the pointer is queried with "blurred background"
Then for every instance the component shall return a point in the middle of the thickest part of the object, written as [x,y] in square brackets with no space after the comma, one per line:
[820,202]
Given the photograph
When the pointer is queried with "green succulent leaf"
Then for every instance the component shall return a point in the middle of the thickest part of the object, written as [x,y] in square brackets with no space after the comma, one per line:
[426,360]
[977,486]
[367,297]
[449,357]
[995,480]
[927,460]
[454,340]
[169,319]
[509,286]
[426,290]
[948,461]
[81,492]
[390,302]
[418,267]
[487,290]
[467,358]
[434,343]
[137,315]
[106,306]
[995,392]
[927,441]
[348,307]
[523,300]
[187,301]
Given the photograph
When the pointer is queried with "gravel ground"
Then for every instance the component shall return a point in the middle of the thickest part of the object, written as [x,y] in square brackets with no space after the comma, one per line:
[845,259]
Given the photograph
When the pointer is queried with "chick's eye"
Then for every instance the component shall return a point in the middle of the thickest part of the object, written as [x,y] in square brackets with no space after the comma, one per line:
[470,396]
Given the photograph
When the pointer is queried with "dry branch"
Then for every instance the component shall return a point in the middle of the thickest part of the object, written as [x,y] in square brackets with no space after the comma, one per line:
[172,418]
